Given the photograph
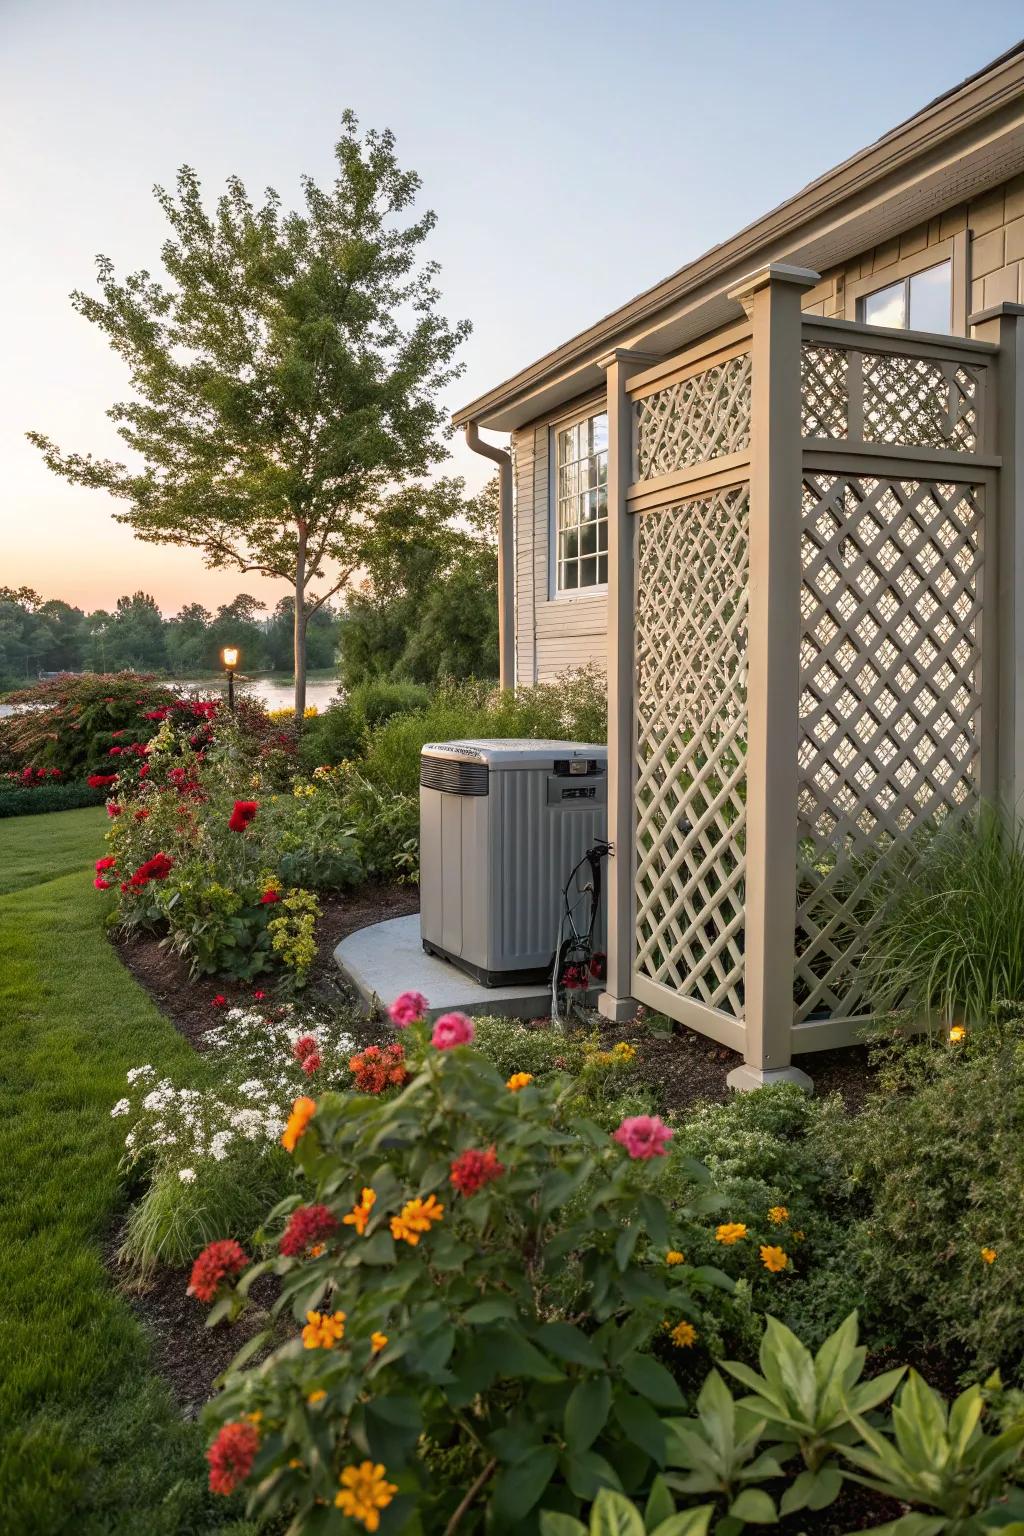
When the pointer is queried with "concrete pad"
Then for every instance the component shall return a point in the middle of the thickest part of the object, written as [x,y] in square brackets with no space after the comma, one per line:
[389,958]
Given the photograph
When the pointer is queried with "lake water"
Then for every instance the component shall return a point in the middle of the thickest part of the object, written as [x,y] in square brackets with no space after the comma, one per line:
[274,692]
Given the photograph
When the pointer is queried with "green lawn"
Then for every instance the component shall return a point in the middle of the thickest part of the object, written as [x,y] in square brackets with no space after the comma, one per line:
[90,1440]
[38,848]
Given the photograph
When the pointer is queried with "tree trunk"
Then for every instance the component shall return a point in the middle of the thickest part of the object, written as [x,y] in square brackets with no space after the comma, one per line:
[300,627]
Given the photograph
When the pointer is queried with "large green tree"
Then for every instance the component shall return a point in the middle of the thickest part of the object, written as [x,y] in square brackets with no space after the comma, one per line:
[285,375]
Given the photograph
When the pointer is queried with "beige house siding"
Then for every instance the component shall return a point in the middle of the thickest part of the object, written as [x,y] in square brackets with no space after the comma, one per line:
[986,239]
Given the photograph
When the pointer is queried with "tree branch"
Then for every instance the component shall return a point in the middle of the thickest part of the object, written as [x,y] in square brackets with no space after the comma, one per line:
[485,1475]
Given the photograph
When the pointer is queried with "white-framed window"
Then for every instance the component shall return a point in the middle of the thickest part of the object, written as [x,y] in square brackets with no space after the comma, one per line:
[580,504]
[921,301]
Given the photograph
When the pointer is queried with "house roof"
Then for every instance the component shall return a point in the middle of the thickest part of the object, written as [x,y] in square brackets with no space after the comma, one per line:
[968,139]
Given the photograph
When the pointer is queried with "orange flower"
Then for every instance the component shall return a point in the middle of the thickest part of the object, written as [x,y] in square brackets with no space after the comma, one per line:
[416,1217]
[774,1259]
[519,1080]
[364,1493]
[323,1329]
[316,1397]
[778,1215]
[359,1215]
[378,1342]
[675,1257]
[730,1232]
[989,1255]
[683,1335]
[302,1113]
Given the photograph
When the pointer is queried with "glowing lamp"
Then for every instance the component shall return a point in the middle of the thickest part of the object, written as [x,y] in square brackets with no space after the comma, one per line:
[229,656]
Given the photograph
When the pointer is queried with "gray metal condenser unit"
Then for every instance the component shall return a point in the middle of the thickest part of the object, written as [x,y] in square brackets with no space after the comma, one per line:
[502,824]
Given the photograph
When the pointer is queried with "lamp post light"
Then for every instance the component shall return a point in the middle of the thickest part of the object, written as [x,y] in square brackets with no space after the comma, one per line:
[229,656]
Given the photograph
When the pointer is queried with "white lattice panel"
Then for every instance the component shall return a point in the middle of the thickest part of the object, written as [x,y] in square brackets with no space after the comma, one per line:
[699,418]
[889,699]
[824,385]
[691,641]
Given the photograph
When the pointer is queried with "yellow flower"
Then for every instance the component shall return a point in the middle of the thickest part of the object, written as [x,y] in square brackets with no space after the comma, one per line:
[364,1492]
[359,1215]
[989,1255]
[774,1259]
[295,1464]
[730,1232]
[415,1217]
[254,1418]
[323,1329]
[623,1051]
[378,1341]
[799,1235]
[302,1113]
[316,1397]
[675,1257]
[519,1080]
[778,1214]
[956,1034]
[683,1335]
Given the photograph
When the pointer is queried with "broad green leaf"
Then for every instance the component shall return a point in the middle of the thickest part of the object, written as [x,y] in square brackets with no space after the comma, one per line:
[512,1355]
[552,1523]
[567,1342]
[624,1245]
[688,1522]
[660,1503]
[586,1412]
[615,1515]
[587,1473]
[490,1311]
[650,1378]
[520,1486]
[641,1425]
[755,1506]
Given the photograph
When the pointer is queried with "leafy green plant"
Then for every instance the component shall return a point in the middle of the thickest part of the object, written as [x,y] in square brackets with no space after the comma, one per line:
[542,1367]
[808,1403]
[612,1514]
[948,927]
[51,796]
[942,1458]
[720,1451]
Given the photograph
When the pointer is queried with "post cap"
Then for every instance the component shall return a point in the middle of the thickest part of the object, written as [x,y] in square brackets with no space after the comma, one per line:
[774,272]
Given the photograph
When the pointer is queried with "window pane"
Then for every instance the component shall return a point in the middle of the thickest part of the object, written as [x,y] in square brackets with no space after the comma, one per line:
[581,510]
[570,577]
[568,545]
[588,573]
[602,569]
[588,539]
[600,433]
[602,535]
[931,299]
[887,307]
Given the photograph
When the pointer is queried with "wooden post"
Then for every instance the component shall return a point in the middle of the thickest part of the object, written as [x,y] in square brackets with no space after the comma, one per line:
[771,297]
[1004,325]
[615,1001]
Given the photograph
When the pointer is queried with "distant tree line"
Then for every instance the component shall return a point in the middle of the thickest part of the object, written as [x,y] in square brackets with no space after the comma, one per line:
[38,635]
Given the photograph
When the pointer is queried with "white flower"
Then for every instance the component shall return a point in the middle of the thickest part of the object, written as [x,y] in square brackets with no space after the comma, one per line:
[253,1088]
[136,1072]
[187,1175]
[122,1107]
[219,1145]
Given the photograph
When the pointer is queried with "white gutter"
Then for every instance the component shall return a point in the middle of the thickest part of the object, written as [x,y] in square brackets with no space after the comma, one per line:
[506,553]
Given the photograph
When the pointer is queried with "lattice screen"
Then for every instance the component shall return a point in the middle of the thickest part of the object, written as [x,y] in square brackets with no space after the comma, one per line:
[691,641]
[889,699]
[917,401]
[700,418]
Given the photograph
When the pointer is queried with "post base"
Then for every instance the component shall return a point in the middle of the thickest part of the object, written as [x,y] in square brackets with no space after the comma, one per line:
[618,1009]
[744,1079]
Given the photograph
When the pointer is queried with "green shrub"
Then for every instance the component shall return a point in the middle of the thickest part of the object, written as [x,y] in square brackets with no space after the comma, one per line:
[339,733]
[48,797]
[948,943]
[935,1161]
[518,1317]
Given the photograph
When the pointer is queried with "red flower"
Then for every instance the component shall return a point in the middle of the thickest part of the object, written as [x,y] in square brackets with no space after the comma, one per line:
[141,815]
[100,780]
[113,809]
[302,1048]
[308,1225]
[231,1456]
[269,897]
[598,965]
[244,811]
[156,714]
[219,1261]
[375,1069]
[259,997]
[107,863]
[144,771]
[311,1062]
[156,868]
[115,751]
[473,1169]
[101,884]
[220,1001]
[55,773]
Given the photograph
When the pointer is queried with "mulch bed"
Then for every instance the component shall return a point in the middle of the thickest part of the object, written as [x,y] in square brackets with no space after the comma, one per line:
[187,1001]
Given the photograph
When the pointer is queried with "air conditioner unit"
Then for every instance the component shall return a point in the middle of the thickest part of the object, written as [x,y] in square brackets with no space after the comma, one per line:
[502,824]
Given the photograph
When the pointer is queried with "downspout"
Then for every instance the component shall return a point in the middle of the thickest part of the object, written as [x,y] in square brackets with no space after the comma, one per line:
[506,554]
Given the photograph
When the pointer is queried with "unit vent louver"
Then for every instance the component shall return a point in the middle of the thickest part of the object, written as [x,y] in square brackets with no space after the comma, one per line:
[453,778]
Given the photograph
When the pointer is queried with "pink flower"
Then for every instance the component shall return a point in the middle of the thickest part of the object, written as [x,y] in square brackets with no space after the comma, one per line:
[644,1136]
[452,1029]
[407,1009]
[310,1063]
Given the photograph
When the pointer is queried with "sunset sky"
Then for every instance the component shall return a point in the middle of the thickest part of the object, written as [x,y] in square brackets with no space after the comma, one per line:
[543,134]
